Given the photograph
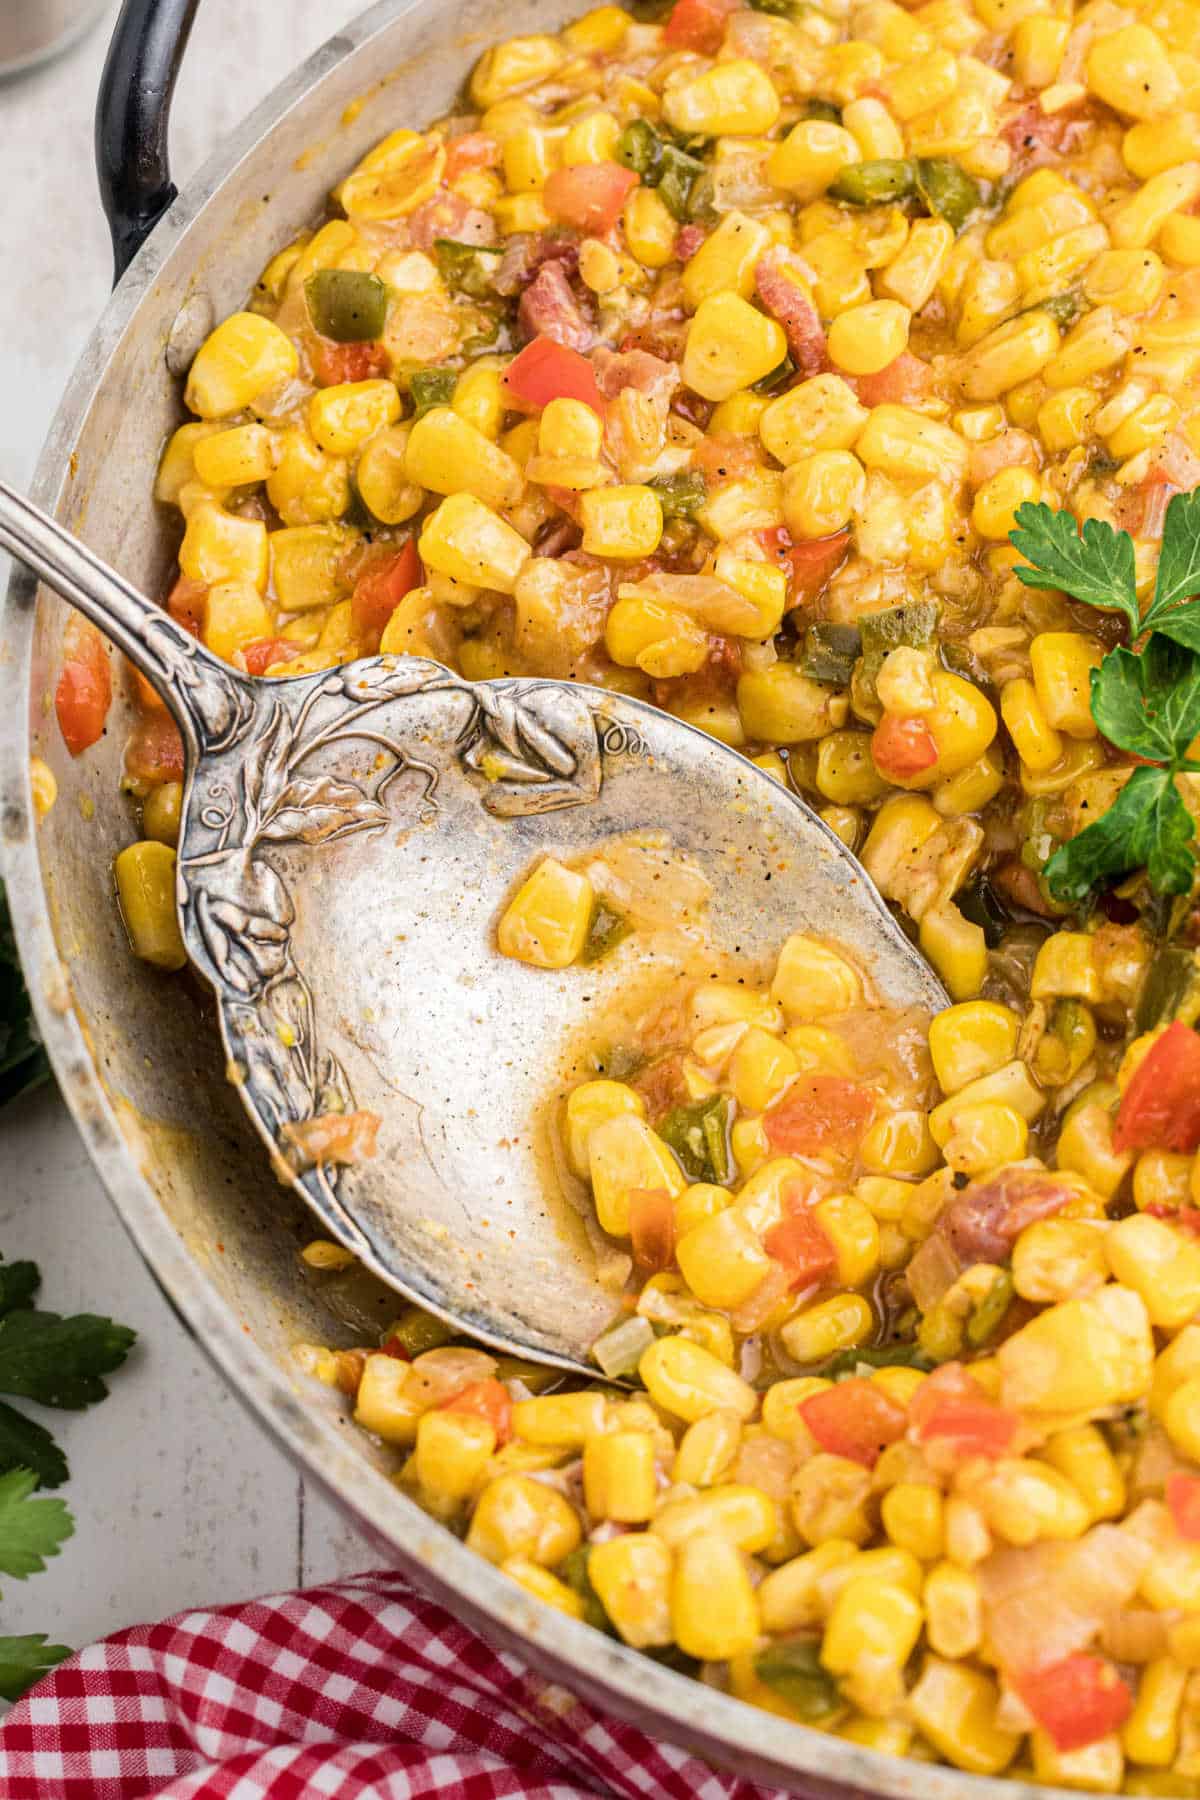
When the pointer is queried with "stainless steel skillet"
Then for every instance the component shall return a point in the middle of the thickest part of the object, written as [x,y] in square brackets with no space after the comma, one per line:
[137,1060]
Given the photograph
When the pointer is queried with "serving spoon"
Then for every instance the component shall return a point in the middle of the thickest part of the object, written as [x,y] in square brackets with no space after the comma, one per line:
[347,841]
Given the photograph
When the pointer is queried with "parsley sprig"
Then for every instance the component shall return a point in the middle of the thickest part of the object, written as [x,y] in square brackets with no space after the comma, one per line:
[1145,700]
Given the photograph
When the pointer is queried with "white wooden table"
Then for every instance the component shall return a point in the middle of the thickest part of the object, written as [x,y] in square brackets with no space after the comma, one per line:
[179,1498]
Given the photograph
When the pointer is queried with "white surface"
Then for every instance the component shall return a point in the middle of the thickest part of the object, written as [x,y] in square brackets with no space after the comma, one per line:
[179,1498]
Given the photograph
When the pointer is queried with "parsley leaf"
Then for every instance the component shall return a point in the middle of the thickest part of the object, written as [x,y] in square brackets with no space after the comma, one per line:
[59,1361]
[1178,575]
[1096,567]
[30,1530]
[1147,826]
[1149,704]
[26,1445]
[22,1060]
[24,1660]
[19,1282]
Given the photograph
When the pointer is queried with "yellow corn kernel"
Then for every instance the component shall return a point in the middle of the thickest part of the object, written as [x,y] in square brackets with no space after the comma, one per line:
[779,705]
[1066,968]
[971,788]
[688,1381]
[1163,1178]
[342,418]
[912,1518]
[1054,1259]
[830,1500]
[1095,344]
[1010,354]
[970,1041]
[1085,1145]
[742,1515]
[989,293]
[530,156]
[816,1048]
[714,1612]
[559,1421]
[790,1597]
[898,1143]
[521,212]
[1038,46]
[810,157]
[873,1624]
[738,416]
[909,447]
[782,1401]
[761,583]
[544,1586]
[1130,70]
[1137,221]
[730,98]
[1082,1455]
[822,413]
[465,539]
[621,522]
[1160,1264]
[954,1706]
[730,346]
[382,478]
[1127,280]
[145,877]
[726,261]
[518,1516]
[650,229]
[1180,239]
[759,1070]
[419,626]
[515,64]
[623,1154]
[381,1405]
[865,339]
[448,456]
[479,398]
[851,1229]
[219,547]
[452,1453]
[911,277]
[308,565]
[698,1203]
[1062,665]
[244,357]
[994,509]
[632,1576]
[873,129]
[722,1260]
[546,922]
[830,1325]
[1098,1767]
[592,1104]
[601,30]
[234,615]
[902,826]
[307,486]
[1038,744]
[811,981]
[392,179]
[922,84]
[160,809]
[619,1479]
[822,492]
[1080,1355]
[177,467]
[707,1449]
[845,773]
[1009,1086]
[568,428]
[1152,146]
[642,634]
[1064,419]
[985,1137]
[233,458]
[591,139]
[1025,1502]
[1151,1733]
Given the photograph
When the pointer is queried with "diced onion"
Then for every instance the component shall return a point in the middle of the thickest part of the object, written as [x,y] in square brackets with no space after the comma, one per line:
[619,1350]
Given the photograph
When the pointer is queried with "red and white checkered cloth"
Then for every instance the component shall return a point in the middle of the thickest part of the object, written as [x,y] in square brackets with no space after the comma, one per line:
[363,1691]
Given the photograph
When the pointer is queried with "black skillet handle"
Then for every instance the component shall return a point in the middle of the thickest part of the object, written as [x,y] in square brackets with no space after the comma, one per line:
[133,111]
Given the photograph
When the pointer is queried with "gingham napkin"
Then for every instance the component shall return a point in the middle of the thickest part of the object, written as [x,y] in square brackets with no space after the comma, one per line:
[362,1690]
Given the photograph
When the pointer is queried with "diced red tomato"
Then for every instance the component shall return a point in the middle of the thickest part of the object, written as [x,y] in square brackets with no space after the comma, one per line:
[802,1248]
[264,652]
[698,25]
[819,1112]
[902,382]
[652,1229]
[545,371]
[589,196]
[487,1400]
[391,1346]
[952,1407]
[814,561]
[380,589]
[855,1419]
[1187,1218]
[1160,1109]
[335,363]
[155,750]
[185,603]
[84,692]
[901,748]
[1077,1700]
[473,150]
[1183,1498]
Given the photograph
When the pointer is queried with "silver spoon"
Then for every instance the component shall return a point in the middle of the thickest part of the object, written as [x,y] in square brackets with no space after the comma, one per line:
[347,842]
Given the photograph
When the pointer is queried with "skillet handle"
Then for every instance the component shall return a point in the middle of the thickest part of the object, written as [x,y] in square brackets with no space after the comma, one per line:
[133,112]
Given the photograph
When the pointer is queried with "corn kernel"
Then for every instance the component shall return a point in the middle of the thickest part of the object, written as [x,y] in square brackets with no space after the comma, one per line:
[810,157]
[619,1478]
[954,1706]
[714,1612]
[865,339]
[688,1381]
[730,98]
[730,346]
[244,357]
[465,539]
[219,547]
[546,922]
[449,456]
[726,261]
[831,1325]
[822,413]
[621,522]
[452,1453]
[145,877]
[1130,70]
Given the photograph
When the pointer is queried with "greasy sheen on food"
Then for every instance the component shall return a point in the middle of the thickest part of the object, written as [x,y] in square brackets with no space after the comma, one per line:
[708,356]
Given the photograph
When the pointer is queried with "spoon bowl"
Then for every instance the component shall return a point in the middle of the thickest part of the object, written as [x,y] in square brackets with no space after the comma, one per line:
[347,842]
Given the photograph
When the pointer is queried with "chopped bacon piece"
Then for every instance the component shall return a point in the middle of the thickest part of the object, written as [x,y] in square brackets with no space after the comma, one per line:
[549,309]
[661,1085]
[698,25]
[819,1113]
[155,749]
[524,255]
[619,369]
[448,215]
[784,297]
[589,196]
[1036,137]
[902,382]
[984,1222]
[854,1419]
[336,363]
[688,242]
[1160,1109]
